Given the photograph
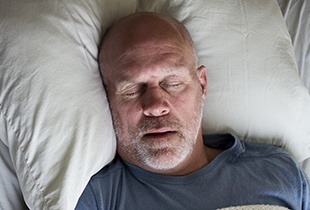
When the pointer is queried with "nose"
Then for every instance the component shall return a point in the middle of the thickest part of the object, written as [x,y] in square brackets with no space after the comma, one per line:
[155,103]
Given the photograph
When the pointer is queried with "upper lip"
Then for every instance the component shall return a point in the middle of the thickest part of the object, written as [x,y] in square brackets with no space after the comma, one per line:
[159,130]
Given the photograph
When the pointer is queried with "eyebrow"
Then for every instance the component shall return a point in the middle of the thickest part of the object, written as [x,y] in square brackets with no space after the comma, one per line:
[124,85]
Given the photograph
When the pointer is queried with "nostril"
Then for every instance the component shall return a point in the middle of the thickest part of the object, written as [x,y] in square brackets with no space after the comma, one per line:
[155,109]
[155,103]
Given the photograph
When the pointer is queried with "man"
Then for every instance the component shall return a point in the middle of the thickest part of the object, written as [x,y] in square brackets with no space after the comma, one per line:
[156,92]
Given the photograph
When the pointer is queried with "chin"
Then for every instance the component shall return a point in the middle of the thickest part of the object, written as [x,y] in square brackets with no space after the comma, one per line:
[165,160]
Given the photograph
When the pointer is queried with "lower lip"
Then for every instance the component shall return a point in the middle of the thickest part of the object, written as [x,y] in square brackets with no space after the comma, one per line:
[160,135]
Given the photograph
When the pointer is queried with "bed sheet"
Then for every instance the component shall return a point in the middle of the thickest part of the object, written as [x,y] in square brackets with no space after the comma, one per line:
[28,28]
[296,14]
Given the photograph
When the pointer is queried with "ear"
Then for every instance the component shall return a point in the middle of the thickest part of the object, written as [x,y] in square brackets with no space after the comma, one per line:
[202,76]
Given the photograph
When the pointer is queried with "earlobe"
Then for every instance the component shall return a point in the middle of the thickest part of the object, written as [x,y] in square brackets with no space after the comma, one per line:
[202,76]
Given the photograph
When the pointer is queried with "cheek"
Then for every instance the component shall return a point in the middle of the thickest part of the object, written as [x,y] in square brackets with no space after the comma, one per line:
[188,102]
[125,116]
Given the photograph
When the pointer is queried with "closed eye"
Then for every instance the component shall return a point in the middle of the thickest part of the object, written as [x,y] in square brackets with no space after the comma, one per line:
[171,85]
[174,86]
[133,91]
[131,94]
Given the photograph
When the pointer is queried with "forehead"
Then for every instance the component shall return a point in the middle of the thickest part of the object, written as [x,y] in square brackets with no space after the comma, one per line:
[148,67]
[149,59]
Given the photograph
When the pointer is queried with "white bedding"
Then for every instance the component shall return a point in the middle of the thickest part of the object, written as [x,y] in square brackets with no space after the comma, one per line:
[255,207]
[296,14]
[55,124]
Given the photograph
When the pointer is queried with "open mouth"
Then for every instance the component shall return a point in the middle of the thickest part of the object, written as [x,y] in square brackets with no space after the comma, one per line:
[163,134]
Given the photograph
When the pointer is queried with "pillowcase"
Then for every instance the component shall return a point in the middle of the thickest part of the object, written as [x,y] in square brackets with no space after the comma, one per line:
[297,18]
[54,109]
[254,87]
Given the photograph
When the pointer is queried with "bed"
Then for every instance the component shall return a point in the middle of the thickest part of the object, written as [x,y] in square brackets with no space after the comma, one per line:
[55,124]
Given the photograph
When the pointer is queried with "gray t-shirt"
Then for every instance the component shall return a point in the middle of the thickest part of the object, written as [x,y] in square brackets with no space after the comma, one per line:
[244,174]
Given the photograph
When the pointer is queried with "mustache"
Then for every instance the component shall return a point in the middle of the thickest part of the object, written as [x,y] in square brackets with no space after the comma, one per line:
[156,123]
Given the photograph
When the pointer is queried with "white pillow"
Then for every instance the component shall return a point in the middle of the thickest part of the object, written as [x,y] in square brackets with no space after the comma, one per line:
[53,105]
[297,18]
[54,109]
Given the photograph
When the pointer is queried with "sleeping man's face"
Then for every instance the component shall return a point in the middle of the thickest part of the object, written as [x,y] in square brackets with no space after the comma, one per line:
[156,93]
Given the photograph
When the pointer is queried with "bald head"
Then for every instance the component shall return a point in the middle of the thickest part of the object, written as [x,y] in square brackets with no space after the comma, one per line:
[156,91]
[139,34]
